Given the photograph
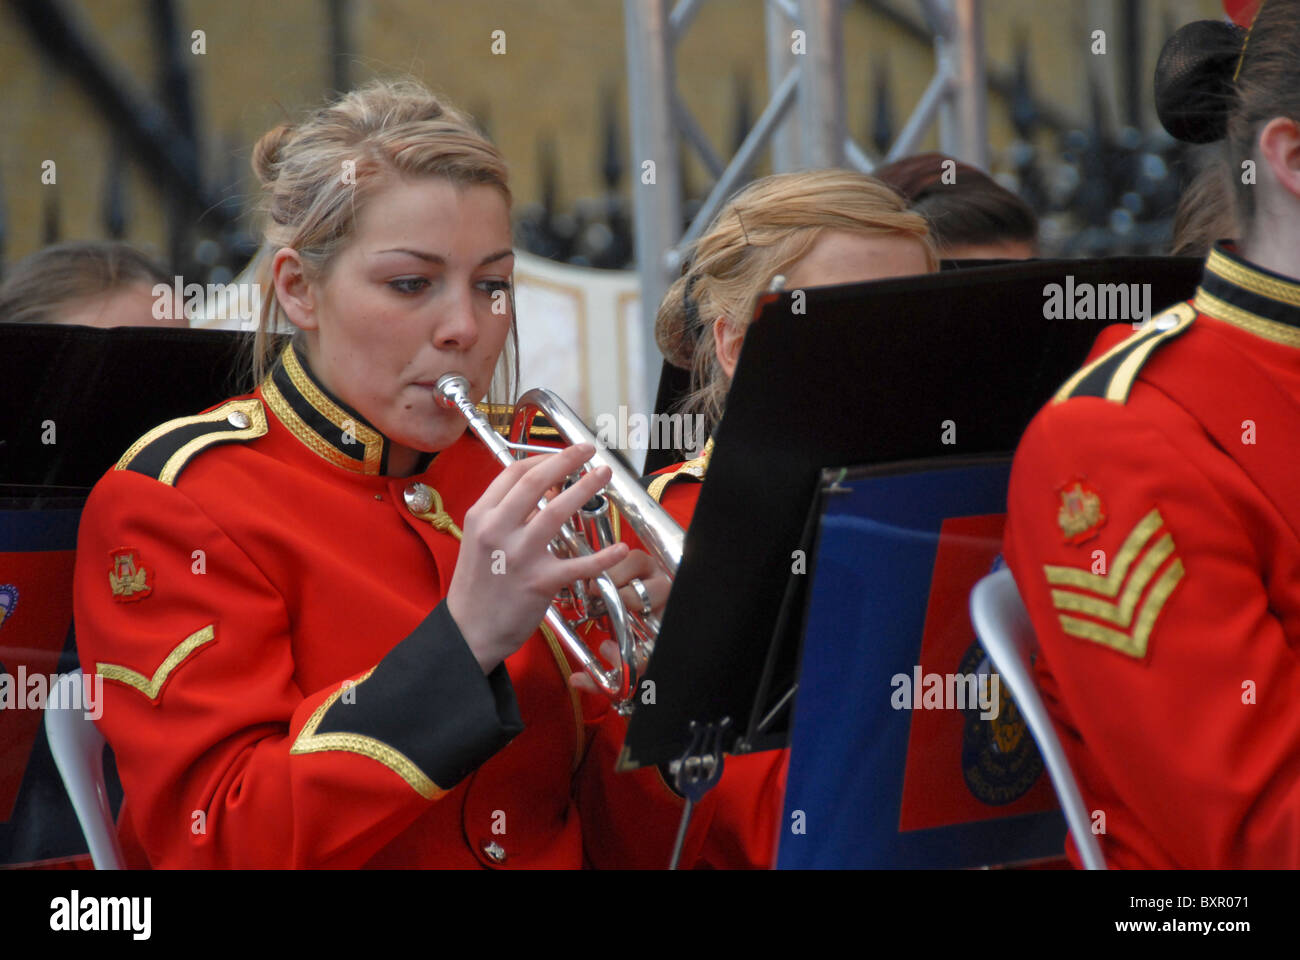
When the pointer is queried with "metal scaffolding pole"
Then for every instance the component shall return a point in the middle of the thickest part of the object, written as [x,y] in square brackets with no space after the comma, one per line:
[805,67]
[786,155]
[821,87]
[656,188]
[970,86]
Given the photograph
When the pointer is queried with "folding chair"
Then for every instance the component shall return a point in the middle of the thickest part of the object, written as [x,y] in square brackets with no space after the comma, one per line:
[78,750]
[1007,635]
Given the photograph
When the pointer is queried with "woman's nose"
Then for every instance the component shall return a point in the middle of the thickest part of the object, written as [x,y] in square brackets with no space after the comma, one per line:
[457,326]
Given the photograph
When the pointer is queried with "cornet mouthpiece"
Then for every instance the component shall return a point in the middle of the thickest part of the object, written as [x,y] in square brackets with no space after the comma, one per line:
[449,386]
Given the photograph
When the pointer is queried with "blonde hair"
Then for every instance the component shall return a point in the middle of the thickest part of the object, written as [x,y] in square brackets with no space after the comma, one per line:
[317,174]
[763,231]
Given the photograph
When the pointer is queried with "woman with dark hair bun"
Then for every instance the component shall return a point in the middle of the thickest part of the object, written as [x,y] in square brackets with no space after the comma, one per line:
[1155,503]
[971,215]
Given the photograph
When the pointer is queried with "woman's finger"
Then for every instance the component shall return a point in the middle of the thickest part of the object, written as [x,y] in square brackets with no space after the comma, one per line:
[554,468]
[638,564]
[656,588]
[586,568]
[547,523]
[505,481]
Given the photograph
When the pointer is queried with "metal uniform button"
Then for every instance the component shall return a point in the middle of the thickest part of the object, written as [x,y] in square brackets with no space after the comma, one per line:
[1166,323]
[238,419]
[494,851]
[418,498]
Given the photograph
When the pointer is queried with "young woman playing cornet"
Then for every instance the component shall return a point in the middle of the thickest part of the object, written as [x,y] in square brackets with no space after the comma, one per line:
[316,605]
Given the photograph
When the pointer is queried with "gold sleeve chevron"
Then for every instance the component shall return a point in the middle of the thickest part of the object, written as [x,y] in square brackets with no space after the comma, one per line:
[309,741]
[1120,608]
[151,687]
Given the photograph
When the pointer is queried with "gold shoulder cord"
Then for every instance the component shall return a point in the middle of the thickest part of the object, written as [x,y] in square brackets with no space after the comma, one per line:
[439,517]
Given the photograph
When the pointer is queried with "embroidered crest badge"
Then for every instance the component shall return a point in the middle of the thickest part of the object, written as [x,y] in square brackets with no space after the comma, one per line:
[1081,513]
[8,600]
[127,576]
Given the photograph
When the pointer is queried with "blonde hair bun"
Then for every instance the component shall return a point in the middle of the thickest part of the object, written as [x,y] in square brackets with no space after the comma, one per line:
[267,152]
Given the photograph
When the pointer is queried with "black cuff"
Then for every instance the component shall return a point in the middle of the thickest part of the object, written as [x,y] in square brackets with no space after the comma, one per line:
[429,699]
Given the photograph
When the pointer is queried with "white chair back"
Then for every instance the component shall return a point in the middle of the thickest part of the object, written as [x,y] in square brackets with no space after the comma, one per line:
[1007,635]
[78,750]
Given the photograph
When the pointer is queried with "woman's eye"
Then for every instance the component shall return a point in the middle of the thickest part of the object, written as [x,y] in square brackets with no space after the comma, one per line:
[408,284]
[492,286]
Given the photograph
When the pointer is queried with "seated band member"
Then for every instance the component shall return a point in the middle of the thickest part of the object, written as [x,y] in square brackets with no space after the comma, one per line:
[90,283]
[316,605]
[971,215]
[1153,514]
[815,228]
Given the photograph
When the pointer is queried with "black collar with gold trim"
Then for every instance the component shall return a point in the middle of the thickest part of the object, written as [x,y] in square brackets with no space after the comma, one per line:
[325,424]
[1260,301]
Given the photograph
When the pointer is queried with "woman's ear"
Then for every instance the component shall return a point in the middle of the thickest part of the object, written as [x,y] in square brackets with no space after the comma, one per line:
[1279,148]
[727,342]
[292,289]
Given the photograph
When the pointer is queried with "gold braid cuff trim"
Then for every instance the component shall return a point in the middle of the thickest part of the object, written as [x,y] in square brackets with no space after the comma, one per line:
[151,687]
[308,741]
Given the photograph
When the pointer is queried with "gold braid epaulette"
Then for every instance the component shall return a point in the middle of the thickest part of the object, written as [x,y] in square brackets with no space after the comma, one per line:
[691,469]
[164,451]
[1112,375]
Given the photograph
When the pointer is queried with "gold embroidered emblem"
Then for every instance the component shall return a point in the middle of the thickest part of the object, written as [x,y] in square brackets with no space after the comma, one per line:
[1081,513]
[127,576]
[1008,726]
[1144,560]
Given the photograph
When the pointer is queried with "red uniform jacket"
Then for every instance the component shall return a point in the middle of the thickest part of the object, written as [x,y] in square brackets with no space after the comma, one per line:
[743,830]
[1164,583]
[284,686]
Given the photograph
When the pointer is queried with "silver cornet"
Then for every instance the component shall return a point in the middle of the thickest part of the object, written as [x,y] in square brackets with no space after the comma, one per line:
[589,531]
